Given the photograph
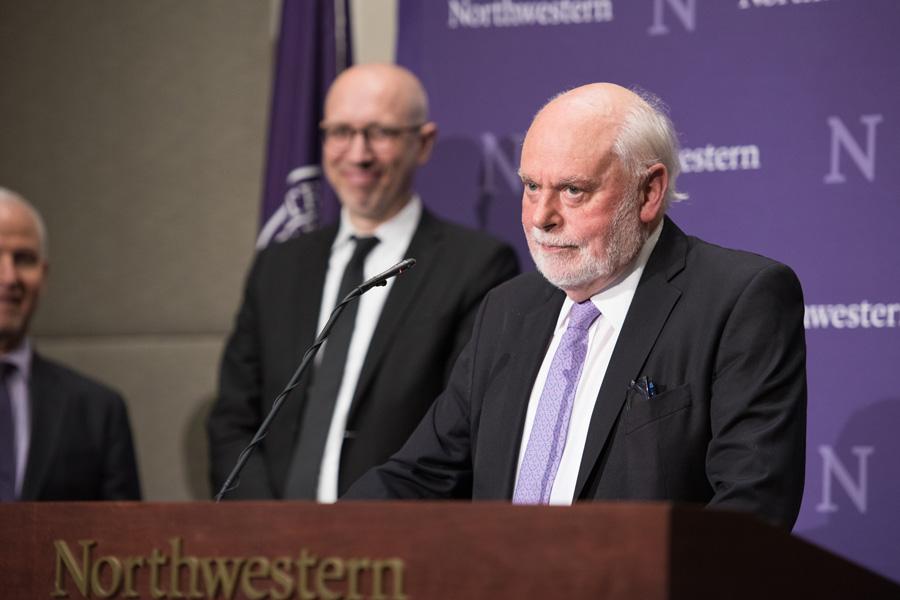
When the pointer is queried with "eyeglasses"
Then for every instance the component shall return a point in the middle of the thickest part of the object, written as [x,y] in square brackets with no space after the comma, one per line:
[338,137]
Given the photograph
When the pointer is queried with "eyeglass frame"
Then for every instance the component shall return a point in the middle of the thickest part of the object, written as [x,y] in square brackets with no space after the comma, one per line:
[387,134]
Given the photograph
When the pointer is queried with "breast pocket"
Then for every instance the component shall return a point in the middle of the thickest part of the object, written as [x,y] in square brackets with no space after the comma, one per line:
[642,411]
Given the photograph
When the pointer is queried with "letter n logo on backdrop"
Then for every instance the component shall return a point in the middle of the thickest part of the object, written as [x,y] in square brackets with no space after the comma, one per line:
[842,138]
[496,165]
[685,10]
[834,470]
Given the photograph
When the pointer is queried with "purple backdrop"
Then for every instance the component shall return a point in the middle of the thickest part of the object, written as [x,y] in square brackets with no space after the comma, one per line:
[789,116]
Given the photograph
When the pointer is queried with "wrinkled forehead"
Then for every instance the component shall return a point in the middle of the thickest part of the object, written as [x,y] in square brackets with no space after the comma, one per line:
[569,141]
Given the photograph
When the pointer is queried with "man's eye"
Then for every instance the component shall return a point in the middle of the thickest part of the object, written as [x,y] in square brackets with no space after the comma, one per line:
[572,190]
[341,132]
[531,186]
[380,132]
[25,259]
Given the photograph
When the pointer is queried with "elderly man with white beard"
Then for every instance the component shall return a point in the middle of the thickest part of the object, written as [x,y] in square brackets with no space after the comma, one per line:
[640,363]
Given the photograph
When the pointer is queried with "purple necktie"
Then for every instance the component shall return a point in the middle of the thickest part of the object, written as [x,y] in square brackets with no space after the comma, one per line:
[551,422]
[7,439]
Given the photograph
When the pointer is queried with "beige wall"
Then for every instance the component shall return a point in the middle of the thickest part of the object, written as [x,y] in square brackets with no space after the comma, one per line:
[374,24]
[138,129]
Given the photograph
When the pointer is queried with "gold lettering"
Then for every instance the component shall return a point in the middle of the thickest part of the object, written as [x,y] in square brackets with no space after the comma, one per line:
[305,561]
[256,568]
[179,561]
[130,567]
[115,576]
[330,569]
[254,578]
[281,575]
[157,559]
[222,577]
[65,558]
[354,566]
[396,566]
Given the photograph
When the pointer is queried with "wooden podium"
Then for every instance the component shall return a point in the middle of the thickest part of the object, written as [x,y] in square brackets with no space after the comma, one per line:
[421,551]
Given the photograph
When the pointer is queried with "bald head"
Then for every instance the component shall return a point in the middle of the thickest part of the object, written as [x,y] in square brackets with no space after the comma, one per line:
[11,202]
[595,104]
[394,84]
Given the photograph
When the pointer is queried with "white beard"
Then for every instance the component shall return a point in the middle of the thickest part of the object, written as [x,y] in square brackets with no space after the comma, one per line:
[625,238]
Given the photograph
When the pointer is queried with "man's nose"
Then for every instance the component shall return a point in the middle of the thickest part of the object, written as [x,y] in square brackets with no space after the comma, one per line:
[8,273]
[545,213]
[360,149]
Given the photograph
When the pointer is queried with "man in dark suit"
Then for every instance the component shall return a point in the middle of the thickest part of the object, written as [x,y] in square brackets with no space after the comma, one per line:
[62,436]
[390,354]
[640,364]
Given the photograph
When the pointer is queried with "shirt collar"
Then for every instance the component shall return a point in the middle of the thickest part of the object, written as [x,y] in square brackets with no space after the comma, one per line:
[20,356]
[400,225]
[614,301]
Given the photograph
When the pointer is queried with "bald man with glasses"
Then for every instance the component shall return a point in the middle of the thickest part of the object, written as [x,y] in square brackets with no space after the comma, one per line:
[389,355]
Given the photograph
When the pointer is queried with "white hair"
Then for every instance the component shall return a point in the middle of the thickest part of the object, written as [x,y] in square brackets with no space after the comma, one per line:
[647,137]
[9,196]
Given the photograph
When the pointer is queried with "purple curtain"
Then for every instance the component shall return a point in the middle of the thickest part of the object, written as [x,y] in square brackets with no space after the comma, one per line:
[313,47]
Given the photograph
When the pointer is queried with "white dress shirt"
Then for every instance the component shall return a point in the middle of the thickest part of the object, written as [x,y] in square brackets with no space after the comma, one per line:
[394,237]
[613,303]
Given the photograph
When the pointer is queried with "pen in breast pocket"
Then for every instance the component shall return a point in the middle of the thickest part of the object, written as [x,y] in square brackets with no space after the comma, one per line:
[644,386]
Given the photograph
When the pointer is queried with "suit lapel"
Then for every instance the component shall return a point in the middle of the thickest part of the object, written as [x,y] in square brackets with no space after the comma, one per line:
[304,288]
[503,413]
[311,270]
[425,246]
[48,412]
[650,308]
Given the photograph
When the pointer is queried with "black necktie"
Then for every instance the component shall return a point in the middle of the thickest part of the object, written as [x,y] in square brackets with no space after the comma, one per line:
[7,439]
[303,475]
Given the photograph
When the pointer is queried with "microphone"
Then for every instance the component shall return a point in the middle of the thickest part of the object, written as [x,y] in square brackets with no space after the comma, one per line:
[381,279]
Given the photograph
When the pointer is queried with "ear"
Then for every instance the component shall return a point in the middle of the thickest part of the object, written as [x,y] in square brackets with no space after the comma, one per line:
[45,271]
[653,193]
[427,136]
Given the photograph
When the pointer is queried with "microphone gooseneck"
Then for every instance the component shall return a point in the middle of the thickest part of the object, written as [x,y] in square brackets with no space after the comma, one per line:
[382,278]
[233,481]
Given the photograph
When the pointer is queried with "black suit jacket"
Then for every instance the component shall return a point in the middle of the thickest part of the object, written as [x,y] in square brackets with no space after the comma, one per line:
[719,332]
[81,446]
[425,322]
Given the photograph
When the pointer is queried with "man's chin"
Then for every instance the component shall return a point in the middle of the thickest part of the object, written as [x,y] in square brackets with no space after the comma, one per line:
[358,199]
[10,320]
[569,279]
[563,280]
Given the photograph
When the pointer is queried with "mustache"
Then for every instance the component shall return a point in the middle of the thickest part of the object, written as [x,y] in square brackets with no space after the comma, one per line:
[549,239]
